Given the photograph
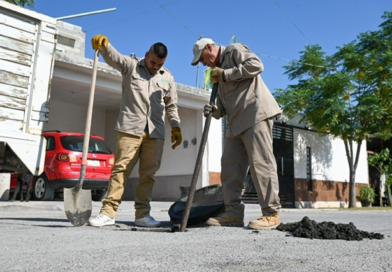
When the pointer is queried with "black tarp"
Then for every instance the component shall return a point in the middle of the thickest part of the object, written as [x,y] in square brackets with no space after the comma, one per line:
[207,202]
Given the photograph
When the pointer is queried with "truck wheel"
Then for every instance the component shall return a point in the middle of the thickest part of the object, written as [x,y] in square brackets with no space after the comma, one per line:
[99,195]
[42,190]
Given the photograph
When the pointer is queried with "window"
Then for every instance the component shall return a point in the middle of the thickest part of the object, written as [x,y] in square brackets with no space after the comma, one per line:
[75,143]
[50,145]
[66,41]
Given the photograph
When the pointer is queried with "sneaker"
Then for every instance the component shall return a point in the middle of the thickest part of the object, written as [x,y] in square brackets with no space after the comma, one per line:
[147,221]
[101,220]
[225,219]
[265,222]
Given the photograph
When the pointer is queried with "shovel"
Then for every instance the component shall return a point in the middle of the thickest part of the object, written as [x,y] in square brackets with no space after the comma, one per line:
[77,202]
[196,171]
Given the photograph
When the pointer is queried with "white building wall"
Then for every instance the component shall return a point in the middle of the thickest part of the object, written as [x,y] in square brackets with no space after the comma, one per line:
[181,160]
[69,117]
[329,161]
[215,149]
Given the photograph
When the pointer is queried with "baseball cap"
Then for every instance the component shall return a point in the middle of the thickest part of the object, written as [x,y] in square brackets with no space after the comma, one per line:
[198,48]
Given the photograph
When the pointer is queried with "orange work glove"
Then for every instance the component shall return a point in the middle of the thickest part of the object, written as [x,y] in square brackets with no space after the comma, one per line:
[98,41]
[176,136]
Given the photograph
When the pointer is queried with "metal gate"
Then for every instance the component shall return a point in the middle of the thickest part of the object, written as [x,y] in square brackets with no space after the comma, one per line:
[284,155]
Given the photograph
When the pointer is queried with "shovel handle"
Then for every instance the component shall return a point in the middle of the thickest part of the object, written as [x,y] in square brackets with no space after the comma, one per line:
[196,171]
[86,139]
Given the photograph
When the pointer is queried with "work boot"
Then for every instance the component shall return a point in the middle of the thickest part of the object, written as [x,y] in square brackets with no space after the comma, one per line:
[265,222]
[147,221]
[225,220]
[101,220]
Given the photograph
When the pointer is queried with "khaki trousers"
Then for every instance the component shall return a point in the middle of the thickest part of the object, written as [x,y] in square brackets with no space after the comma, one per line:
[130,149]
[253,148]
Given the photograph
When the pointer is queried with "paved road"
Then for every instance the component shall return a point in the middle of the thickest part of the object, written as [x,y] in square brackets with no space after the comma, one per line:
[36,236]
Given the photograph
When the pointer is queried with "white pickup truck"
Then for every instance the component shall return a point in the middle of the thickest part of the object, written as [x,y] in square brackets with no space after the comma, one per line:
[27,52]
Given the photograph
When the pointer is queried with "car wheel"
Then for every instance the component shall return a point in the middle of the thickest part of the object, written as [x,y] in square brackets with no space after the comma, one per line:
[42,190]
[99,195]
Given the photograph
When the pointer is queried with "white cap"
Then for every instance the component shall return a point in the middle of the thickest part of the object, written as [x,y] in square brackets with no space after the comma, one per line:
[198,48]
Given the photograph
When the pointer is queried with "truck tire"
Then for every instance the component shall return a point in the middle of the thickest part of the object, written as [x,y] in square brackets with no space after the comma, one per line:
[42,190]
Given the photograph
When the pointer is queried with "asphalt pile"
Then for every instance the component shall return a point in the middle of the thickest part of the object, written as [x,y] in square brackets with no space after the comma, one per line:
[307,228]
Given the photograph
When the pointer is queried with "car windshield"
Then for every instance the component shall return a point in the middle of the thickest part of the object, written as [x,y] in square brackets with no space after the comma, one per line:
[75,143]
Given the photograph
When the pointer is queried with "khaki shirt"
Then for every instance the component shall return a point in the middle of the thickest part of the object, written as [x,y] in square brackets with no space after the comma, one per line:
[146,98]
[243,97]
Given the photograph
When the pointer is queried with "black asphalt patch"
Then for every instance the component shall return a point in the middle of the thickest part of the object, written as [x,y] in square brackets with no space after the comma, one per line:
[307,228]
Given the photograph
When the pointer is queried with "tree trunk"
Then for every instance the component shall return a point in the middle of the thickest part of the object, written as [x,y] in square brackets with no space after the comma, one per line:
[381,187]
[389,196]
[348,145]
[352,203]
[388,187]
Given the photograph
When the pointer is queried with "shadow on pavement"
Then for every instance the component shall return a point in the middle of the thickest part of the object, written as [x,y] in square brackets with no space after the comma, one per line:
[35,219]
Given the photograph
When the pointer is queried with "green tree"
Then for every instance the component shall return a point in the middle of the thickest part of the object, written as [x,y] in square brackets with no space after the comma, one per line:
[23,3]
[347,95]
[207,84]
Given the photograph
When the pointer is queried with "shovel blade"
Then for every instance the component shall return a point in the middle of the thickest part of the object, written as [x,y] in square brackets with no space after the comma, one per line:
[77,205]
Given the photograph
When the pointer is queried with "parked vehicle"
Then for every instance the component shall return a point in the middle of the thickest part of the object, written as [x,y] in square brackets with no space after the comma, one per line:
[63,162]
[28,41]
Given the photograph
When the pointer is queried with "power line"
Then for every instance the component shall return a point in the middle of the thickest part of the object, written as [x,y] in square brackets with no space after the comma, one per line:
[292,21]
[273,57]
[175,19]
[292,61]
[184,26]
[278,58]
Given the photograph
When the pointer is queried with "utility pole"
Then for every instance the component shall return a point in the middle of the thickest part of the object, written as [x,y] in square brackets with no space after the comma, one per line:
[85,14]
[198,67]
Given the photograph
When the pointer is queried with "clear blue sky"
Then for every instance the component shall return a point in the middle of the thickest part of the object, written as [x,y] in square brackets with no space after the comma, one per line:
[276,30]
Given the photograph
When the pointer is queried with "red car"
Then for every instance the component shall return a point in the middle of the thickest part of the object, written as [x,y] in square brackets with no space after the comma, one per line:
[63,162]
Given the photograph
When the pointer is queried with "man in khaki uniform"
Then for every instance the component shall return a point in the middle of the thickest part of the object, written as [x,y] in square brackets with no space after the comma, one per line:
[148,96]
[250,108]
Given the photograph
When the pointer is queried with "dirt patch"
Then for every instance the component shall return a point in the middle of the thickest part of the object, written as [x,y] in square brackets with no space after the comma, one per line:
[307,228]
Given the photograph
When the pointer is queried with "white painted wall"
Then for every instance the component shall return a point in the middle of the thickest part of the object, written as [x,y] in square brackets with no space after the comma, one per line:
[329,161]
[69,117]
[215,149]
[181,161]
